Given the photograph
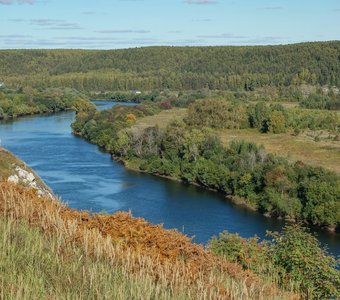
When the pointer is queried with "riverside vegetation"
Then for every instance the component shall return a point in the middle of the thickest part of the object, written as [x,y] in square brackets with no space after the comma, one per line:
[195,154]
[28,101]
[49,250]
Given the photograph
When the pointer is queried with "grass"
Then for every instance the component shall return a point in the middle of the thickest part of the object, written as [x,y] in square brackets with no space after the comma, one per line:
[162,119]
[36,267]
[295,148]
[8,163]
[49,251]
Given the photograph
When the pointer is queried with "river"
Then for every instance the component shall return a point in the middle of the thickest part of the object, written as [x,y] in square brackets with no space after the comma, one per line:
[87,179]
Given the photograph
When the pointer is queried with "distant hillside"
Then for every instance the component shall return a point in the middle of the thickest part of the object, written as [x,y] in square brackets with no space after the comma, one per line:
[178,68]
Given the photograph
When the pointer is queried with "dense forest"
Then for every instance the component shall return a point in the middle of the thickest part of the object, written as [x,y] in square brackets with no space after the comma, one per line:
[176,68]
[194,154]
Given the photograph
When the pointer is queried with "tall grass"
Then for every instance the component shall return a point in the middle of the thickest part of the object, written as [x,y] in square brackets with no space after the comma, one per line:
[51,252]
[33,267]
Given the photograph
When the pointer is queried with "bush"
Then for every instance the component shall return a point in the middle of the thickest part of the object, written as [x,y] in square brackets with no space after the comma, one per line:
[299,254]
[294,257]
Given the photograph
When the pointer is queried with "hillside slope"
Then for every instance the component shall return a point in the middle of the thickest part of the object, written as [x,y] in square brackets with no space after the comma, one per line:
[66,253]
[50,251]
[12,169]
[177,68]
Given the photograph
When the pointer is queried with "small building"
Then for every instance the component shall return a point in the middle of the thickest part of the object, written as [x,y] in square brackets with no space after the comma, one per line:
[136,92]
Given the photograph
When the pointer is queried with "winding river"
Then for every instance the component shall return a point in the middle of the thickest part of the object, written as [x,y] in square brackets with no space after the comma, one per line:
[87,179]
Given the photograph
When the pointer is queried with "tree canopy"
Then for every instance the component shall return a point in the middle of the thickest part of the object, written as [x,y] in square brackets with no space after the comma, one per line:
[177,68]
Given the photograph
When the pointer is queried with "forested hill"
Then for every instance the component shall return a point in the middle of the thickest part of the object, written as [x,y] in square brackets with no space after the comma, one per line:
[227,67]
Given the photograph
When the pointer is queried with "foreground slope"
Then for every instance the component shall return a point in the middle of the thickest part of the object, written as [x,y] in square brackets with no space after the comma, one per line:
[73,254]
[50,251]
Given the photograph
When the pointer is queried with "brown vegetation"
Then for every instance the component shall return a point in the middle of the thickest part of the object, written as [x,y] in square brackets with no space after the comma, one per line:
[169,257]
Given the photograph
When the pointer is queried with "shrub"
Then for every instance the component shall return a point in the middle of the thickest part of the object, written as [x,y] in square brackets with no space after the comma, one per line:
[299,254]
[294,257]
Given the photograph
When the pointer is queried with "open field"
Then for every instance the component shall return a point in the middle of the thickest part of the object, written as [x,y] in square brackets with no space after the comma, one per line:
[325,153]
[162,119]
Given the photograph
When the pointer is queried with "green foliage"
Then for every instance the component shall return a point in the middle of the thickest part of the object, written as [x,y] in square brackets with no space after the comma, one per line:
[300,256]
[258,115]
[249,252]
[218,114]
[267,118]
[277,122]
[82,105]
[176,68]
[322,101]
[267,183]
[30,101]
[294,257]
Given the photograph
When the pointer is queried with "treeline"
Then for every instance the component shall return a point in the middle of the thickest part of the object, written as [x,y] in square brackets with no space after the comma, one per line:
[330,101]
[273,118]
[28,101]
[176,68]
[244,171]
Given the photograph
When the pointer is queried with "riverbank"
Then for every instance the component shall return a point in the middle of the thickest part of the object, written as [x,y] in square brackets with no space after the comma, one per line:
[134,165]
[16,103]
[66,241]
[12,169]
[195,155]
[37,113]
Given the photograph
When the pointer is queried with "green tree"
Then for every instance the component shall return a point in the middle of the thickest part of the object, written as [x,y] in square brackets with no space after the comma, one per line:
[277,122]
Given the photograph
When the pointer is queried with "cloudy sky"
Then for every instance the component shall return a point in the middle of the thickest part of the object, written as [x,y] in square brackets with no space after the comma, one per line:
[109,24]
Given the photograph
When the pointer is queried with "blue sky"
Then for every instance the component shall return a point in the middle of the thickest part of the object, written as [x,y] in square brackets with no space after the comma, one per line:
[110,24]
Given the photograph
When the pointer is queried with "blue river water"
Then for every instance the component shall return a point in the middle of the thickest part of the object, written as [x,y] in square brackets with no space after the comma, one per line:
[86,178]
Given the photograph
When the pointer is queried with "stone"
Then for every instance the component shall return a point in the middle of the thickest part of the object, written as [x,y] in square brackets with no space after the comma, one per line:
[30,177]
[13,179]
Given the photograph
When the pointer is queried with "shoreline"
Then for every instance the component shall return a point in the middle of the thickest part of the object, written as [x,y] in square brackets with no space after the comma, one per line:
[236,200]
[13,118]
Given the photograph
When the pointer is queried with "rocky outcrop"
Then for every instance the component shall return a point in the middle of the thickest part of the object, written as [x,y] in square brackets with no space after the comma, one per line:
[14,170]
[28,179]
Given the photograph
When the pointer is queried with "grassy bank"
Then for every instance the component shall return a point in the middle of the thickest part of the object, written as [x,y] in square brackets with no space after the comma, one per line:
[8,167]
[35,266]
[50,251]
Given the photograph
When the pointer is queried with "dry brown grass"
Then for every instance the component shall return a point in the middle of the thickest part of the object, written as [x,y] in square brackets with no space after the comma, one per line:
[325,153]
[140,248]
[162,119]
[8,162]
